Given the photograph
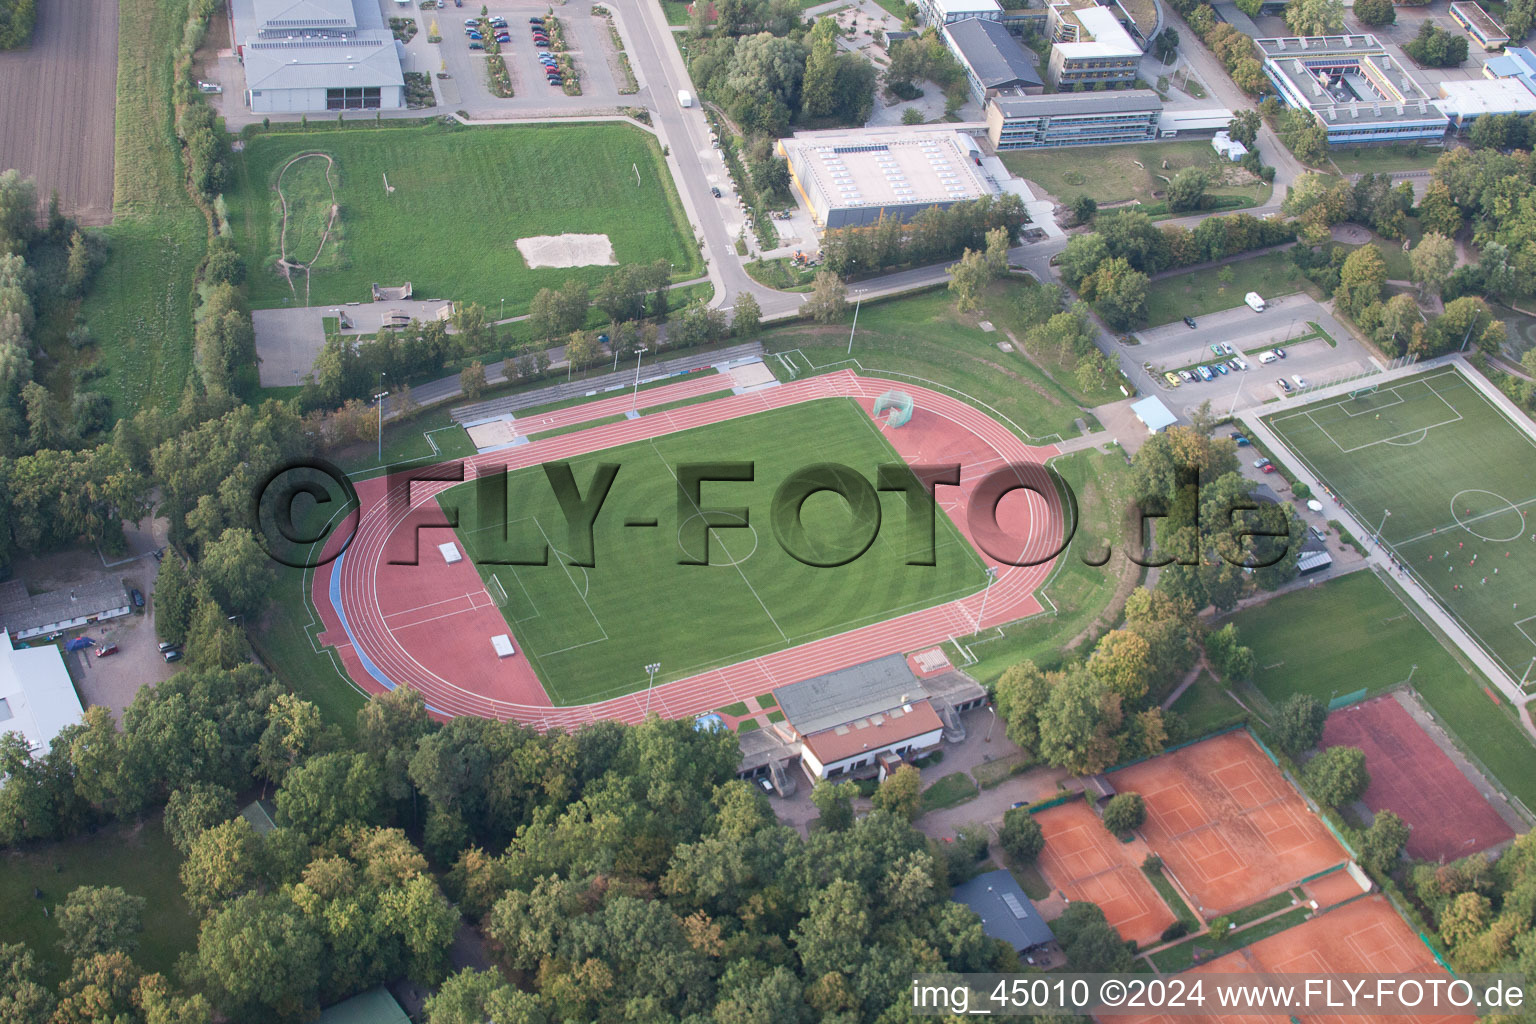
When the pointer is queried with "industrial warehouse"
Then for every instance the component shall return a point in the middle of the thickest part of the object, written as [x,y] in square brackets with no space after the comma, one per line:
[317,55]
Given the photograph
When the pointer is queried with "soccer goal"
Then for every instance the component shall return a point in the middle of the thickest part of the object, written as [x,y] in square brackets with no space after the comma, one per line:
[1369,389]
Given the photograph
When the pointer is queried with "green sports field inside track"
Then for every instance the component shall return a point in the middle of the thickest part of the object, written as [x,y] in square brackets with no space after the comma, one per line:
[584,628]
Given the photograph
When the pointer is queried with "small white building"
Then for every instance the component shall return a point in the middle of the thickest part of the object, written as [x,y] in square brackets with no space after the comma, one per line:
[37,697]
[1228,147]
[1154,414]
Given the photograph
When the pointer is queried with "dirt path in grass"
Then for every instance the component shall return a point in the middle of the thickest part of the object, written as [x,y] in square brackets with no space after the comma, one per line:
[284,264]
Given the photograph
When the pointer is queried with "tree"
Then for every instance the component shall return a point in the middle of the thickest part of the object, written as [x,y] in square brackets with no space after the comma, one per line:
[1244,126]
[260,958]
[912,115]
[1124,813]
[571,304]
[23,999]
[79,265]
[238,570]
[835,802]
[100,919]
[476,997]
[543,315]
[1094,372]
[901,793]
[1315,17]
[1079,723]
[173,598]
[1118,292]
[1021,835]
[1337,776]
[1432,260]
[1021,693]
[470,320]
[747,321]
[1382,844]
[324,794]
[968,278]
[212,640]
[829,298]
[1361,279]
[1091,945]
[581,349]
[1084,207]
[1187,189]
[1122,660]
[1375,12]
[222,862]
[190,811]
[472,380]
[1436,48]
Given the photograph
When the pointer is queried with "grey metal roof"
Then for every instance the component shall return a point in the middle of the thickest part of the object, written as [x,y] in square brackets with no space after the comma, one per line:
[1005,912]
[303,14]
[369,59]
[1078,103]
[20,610]
[837,698]
[997,58]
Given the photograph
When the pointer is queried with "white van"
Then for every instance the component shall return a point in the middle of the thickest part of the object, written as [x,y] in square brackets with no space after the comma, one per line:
[1267,357]
[1255,302]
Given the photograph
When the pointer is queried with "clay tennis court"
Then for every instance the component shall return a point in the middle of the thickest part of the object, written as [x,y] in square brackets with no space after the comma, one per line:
[1412,777]
[1227,824]
[1084,861]
[1366,936]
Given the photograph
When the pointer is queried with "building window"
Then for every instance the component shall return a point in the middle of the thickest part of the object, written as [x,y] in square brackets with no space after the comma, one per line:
[352,98]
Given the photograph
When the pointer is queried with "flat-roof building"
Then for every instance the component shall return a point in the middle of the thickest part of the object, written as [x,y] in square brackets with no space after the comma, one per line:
[1480,25]
[1517,62]
[1353,87]
[856,177]
[1006,912]
[944,12]
[1465,102]
[25,615]
[1090,45]
[317,55]
[994,61]
[1082,119]
[37,697]
[1156,416]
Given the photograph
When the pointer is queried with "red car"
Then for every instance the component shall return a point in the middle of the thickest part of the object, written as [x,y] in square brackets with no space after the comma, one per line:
[1269,467]
[106,649]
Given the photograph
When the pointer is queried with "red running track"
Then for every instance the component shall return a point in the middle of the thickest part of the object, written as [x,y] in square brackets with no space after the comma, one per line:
[430,625]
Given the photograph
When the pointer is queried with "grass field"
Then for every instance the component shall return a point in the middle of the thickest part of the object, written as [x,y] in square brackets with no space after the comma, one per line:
[1123,173]
[1376,159]
[1460,482]
[1354,633]
[1206,707]
[1080,597]
[461,199]
[922,338]
[140,306]
[137,858]
[1199,292]
[583,630]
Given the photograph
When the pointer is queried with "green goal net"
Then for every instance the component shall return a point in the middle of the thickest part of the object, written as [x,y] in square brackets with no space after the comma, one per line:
[899,402]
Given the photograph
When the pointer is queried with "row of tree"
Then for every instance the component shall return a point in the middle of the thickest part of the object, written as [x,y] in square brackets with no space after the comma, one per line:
[934,234]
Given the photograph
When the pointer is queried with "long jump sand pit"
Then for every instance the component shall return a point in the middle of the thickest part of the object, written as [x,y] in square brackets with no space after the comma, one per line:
[567,251]
[491,434]
[1363,937]
[1227,824]
[1084,861]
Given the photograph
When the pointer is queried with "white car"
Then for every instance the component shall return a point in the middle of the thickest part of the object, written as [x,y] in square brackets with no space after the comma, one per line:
[1300,381]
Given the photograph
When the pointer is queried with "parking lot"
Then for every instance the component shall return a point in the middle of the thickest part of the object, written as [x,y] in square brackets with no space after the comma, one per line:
[1284,323]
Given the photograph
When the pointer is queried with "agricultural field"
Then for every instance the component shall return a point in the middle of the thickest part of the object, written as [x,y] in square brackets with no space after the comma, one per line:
[140,306]
[584,628]
[56,121]
[1133,173]
[444,207]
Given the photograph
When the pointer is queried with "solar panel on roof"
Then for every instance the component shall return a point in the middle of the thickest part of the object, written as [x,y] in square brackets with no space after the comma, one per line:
[1014,905]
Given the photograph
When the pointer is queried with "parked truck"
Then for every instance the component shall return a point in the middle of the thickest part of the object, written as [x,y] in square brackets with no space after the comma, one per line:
[684,98]
[1255,302]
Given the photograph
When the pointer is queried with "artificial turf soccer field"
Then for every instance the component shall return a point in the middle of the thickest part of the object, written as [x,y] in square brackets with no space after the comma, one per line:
[1460,482]
[583,629]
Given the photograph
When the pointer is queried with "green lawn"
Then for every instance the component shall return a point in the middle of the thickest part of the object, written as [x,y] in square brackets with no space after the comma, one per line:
[1199,291]
[461,198]
[1459,480]
[1354,632]
[1171,897]
[948,791]
[1114,174]
[136,857]
[1376,159]
[588,631]
[284,639]
[1206,707]
[140,305]
[1177,958]
[1077,594]
[921,338]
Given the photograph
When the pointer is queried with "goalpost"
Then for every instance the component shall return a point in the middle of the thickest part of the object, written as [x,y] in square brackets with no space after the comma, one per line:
[1369,389]
[494,588]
